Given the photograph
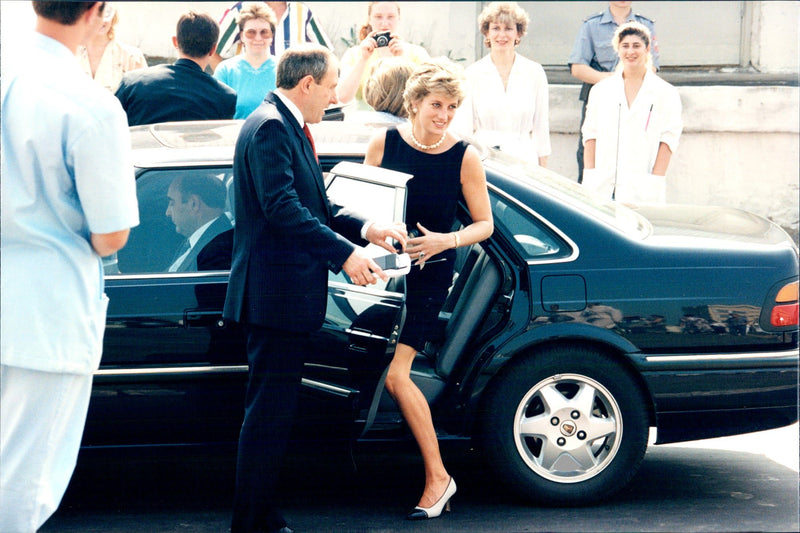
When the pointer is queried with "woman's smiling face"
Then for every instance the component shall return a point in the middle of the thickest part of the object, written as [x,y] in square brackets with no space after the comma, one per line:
[633,51]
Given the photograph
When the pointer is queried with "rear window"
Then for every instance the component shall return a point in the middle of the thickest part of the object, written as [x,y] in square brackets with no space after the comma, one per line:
[612,213]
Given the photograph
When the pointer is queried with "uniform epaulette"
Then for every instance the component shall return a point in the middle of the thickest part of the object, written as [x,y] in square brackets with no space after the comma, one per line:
[590,17]
[648,19]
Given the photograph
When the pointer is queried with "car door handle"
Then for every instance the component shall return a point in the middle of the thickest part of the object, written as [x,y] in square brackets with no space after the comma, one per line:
[202,318]
[358,349]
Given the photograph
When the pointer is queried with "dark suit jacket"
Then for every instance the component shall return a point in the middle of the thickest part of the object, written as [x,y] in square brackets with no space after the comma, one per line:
[212,249]
[181,91]
[287,232]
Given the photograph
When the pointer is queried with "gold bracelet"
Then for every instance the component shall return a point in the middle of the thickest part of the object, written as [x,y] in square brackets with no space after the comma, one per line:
[456,239]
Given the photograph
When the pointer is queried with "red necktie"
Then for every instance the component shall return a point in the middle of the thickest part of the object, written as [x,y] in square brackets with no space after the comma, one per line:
[311,140]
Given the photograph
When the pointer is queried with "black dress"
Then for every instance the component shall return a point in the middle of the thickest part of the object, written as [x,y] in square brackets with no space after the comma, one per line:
[432,199]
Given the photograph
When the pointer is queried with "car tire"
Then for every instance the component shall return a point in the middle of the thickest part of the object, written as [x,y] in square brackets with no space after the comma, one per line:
[565,426]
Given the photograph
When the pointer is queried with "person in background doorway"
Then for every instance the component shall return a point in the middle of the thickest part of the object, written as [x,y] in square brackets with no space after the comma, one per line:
[105,58]
[252,73]
[633,124]
[379,39]
[507,103]
[593,58]
[68,199]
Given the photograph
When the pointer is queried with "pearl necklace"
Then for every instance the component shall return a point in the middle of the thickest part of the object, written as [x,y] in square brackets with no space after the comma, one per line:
[421,146]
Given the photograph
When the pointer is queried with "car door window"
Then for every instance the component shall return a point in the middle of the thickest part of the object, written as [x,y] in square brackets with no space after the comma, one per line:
[376,194]
[160,239]
[535,240]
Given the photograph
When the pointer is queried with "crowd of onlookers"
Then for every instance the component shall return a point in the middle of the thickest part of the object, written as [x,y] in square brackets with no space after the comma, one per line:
[630,126]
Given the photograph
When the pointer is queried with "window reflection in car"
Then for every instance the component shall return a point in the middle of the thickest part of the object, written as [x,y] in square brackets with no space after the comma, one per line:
[186,223]
[536,241]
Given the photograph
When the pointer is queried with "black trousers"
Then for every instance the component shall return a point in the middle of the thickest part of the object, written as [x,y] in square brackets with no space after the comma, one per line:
[276,366]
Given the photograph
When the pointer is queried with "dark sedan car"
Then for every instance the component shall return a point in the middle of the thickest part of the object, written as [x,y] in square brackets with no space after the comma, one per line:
[578,326]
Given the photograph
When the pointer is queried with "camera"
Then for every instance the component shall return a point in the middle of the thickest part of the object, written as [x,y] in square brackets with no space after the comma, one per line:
[383,38]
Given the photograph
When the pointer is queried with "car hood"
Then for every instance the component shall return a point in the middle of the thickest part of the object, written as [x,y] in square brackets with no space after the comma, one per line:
[715,223]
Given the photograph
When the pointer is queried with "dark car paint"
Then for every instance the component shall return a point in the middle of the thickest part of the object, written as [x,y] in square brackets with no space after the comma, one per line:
[173,372]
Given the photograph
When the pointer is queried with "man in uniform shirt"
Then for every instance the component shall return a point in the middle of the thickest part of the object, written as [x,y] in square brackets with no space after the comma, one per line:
[593,58]
[68,199]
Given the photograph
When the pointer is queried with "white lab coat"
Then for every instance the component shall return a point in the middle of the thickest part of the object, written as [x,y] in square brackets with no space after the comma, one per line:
[514,118]
[653,118]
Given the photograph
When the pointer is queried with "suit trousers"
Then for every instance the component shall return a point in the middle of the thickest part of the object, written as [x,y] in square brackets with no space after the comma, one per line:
[276,366]
[42,415]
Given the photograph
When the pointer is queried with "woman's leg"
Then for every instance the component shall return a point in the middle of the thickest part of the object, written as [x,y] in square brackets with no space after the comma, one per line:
[417,414]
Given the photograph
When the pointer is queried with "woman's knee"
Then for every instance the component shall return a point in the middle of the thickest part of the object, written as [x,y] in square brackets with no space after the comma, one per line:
[395,381]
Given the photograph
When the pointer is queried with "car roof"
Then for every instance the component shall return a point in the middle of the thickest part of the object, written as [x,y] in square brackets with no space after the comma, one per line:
[197,143]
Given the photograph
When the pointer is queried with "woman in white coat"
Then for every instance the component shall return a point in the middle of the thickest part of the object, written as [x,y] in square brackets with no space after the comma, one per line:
[507,102]
[633,124]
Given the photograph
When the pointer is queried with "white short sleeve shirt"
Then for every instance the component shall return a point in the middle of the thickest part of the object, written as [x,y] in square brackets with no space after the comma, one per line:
[67,173]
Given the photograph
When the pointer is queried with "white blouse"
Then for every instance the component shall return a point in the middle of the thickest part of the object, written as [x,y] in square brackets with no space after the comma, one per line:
[515,118]
[653,117]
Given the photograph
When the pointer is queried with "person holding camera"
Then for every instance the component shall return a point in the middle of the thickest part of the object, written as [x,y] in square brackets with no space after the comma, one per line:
[379,40]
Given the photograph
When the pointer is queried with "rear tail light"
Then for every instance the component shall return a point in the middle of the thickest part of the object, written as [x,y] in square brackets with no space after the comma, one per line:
[787,308]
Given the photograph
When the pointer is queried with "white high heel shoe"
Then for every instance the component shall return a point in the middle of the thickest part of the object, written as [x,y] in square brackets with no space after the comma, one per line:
[423,513]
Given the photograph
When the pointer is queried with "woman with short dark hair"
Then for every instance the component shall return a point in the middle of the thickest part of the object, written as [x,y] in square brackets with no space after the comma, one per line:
[252,73]
[633,125]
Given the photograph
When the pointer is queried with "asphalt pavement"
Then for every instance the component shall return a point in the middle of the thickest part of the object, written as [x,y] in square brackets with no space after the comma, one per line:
[745,483]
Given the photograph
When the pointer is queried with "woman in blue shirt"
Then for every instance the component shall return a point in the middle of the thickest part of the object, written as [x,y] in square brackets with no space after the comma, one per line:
[252,73]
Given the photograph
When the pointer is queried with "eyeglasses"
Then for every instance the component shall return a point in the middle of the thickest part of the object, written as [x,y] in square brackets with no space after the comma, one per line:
[251,34]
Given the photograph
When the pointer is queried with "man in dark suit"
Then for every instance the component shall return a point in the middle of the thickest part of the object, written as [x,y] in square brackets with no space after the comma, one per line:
[196,207]
[181,91]
[287,235]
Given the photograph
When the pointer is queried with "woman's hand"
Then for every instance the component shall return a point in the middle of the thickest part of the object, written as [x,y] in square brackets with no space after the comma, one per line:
[396,47]
[368,45]
[426,246]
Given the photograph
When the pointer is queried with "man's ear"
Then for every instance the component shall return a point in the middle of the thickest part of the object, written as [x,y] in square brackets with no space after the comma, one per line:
[175,41]
[305,83]
[94,11]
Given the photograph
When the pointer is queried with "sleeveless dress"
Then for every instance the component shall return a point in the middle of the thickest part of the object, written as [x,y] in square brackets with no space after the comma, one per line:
[432,200]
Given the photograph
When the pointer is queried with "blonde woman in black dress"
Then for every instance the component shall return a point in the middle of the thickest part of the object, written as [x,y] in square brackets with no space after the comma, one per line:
[444,168]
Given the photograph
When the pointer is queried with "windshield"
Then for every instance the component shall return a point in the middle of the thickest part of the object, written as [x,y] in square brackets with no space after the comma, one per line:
[612,213]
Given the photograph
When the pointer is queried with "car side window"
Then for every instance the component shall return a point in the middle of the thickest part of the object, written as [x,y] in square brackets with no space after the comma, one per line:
[185,223]
[535,240]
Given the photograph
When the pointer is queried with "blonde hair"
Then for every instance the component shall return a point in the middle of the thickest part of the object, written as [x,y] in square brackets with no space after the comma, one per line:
[633,28]
[383,90]
[439,75]
[366,29]
[506,12]
[257,10]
